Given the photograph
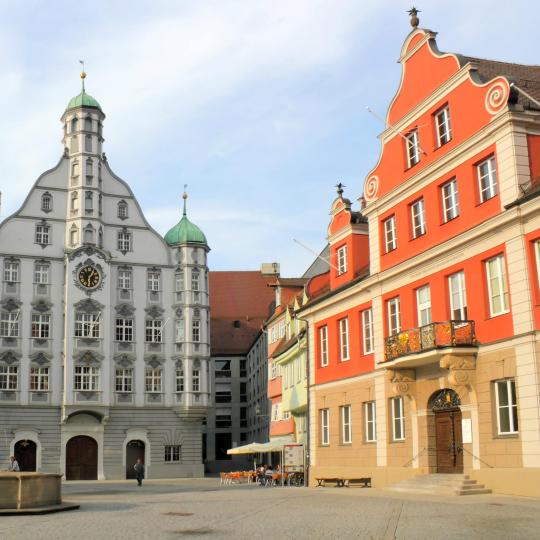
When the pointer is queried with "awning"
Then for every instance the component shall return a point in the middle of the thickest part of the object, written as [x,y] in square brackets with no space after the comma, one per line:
[246,449]
[275,445]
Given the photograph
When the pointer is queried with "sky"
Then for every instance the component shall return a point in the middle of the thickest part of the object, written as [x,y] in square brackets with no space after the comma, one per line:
[258,106]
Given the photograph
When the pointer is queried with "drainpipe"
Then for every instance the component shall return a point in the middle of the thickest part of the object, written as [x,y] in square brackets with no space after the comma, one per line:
[308,438]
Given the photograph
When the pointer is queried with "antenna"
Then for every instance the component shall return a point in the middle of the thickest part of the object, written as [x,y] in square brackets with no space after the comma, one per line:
[327,261]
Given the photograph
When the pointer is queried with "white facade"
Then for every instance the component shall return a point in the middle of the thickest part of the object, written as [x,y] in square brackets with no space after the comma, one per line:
[102,333]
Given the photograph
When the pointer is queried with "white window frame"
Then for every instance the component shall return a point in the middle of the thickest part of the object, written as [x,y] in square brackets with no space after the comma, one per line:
[153,379]
[123,380]
[195,280]
[344,351]
[511,406]
[124,279]
[41,273]
[450,200]
[398,420]
[179,379]
[153,281]
[390,236]
[498,279]
[324,415]
[196,380]
[423,305]
[418,218]
[370,421]
[124,330]
[342,259]
[458,296]
[394,316]
[180,330]
[367,330]
[489,189]
[9,377]
[443,126]
[39,379]
[173,453]
[179,282]
[196,330]
[346,424]
[153,331]
[10,324]
[43,234]
[412,144]
[40,327]
[124,241]
[323,342]
[86,378]
[11,271]
[87,325]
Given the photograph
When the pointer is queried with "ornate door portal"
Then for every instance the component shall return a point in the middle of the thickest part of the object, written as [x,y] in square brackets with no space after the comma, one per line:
[25,454]
[134,451]
[81,458]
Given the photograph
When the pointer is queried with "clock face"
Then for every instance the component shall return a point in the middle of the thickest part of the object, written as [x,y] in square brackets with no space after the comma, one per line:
[89,277]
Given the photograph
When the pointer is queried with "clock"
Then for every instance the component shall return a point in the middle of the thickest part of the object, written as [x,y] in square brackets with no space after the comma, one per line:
[89,277]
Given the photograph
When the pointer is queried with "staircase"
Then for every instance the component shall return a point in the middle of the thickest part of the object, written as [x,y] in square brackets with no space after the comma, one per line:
[440,484]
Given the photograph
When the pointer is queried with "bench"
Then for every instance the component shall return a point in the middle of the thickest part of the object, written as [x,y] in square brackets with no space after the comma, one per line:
[321,482]
[348,482]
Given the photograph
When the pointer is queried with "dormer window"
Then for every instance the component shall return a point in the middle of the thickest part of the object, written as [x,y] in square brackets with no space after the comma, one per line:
[46,202]
[413,148]
[122,210]
[442,124]
[342,260]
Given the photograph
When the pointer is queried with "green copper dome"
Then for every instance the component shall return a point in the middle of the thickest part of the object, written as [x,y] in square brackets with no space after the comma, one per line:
[185,232]
[83,100]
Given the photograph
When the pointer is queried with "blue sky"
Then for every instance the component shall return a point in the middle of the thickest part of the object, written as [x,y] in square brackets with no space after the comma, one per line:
[259,106]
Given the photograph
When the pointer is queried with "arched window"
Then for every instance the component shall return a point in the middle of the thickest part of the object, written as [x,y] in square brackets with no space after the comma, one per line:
[89,202]
[88,143]
[89,168]
[73,236]
[195,286]
[74,202]
[88,124]
[89,234]
[100,237]
[75,173]
[74,125]
[46,202]
[122,210]
[74,144]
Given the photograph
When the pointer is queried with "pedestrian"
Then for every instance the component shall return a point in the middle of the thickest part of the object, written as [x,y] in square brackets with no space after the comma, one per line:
[139,469]
[13,465]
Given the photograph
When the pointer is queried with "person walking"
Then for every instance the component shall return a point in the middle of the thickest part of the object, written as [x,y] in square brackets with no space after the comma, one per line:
[13,465]
[139,469]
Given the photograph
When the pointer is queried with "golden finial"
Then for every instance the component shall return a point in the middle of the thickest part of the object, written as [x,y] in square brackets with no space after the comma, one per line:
[83,73]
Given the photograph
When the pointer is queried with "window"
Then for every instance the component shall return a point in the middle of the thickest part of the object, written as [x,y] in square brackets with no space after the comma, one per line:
[444,129]
[124,380]
[458,298]
[88,143]
[74,202]
[325,427]
[88,124]
[75,172]
[370,424]
[223,420]
[86,378]
[497,286]
[394,322]
[153,281]
[11,271]
[390,239]
[179,281]
[323,341]
[124,279]
[46,202]
[89,202]
[74,145]
[39,379]
[180,331]
[87,325]
[346,433]
[179,379]
[196,331]
[398,419]
[450,200]
[506,403]
[152,379]
[196,380]
[124,330]
[89,170]
[344,339]
[423,305]
[41,273]
[40,325]
[9,377]
[42,234]
[172,452]
[153,330]
[342,259]
[418,218]
[74,125]
[122,210]
[413,148]
[9,324]
[537,256]
[89,234]
[195,280]
[124,241]
[487,179]
[73,236]
[367,325]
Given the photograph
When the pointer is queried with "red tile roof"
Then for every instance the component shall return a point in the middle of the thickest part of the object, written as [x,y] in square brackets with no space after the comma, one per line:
[240,301]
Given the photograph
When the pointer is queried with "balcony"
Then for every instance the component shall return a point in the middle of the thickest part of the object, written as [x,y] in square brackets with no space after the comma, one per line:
[429,338]
[282,427]
[274,387]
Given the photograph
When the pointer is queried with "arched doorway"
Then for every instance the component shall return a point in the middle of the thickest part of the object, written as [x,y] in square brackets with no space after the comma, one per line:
[25,453]
[81,458]
[445,405]
[134,451]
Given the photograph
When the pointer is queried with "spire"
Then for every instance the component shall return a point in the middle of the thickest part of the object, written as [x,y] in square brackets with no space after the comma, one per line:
[185,196]
[83,75]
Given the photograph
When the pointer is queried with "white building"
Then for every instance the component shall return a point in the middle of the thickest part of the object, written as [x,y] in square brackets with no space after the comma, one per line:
[104,334]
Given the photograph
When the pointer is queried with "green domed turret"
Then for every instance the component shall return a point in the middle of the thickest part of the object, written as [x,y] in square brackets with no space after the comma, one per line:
[83,100]
[185,232]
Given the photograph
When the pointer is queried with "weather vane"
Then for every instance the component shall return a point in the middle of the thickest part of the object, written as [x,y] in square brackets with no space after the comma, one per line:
[340,187]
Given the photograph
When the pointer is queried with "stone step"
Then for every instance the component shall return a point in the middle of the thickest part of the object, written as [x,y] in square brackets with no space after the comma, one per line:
[440,484]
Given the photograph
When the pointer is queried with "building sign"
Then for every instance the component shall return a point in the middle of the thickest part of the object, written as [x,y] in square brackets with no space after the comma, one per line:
[466,430]
[293,458]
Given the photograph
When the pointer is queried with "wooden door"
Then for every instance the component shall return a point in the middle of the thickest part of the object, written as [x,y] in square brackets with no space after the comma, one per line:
[81,458]
[449,442]
[134,451]
[25,454]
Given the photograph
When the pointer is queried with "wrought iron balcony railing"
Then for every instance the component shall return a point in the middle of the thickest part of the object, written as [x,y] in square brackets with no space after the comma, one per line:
[431,336]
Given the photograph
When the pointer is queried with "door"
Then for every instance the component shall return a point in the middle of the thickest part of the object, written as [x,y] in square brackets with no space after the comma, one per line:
[81,458]
[134,451]
[449,442]
[25,454]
